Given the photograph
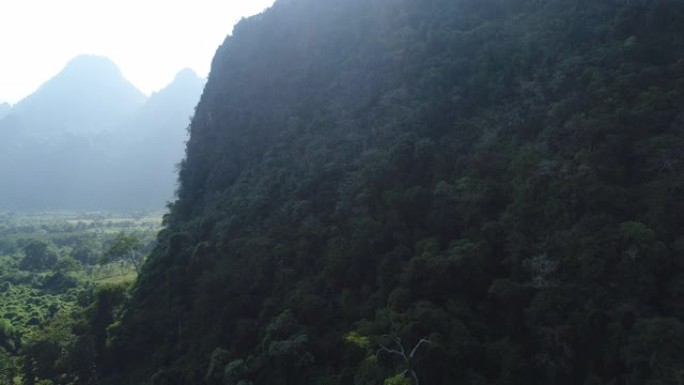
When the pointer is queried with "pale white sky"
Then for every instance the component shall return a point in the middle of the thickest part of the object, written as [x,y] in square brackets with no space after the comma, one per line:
[150,40]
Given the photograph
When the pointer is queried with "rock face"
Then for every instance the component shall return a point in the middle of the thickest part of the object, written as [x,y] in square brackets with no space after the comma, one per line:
[501,178]
[89,140]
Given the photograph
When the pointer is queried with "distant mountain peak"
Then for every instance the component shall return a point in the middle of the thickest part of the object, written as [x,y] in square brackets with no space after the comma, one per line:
[88,94]
[186,78]
[186,85]
[90,63]
[186,74]
[175,98]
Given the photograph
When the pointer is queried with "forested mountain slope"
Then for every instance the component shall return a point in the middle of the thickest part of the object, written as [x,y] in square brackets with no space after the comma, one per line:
[503,179]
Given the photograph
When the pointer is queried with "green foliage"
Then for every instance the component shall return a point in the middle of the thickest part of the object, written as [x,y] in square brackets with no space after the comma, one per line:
[356,339]
[399,379]
[219,359]
[655,351]
[235,372]
[501,178]
[125,247]
[9,336]
[38,256]
[85,251]
[56,326]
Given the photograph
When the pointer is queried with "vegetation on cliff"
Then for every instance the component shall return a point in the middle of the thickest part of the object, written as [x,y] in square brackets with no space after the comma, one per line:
[503,179]
[433,192]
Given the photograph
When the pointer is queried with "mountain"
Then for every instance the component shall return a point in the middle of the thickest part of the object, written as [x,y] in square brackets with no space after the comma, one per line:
[4,109]
[167,107]
[89,95]
[88,140]
[153,143]
[404,192]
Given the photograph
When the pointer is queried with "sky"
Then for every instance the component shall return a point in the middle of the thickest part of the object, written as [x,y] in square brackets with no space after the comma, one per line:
[150,40]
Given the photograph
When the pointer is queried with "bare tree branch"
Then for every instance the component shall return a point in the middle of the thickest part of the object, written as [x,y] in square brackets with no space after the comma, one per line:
[397,340]
[401,352]
[385,349]
[415,348]
[415,377]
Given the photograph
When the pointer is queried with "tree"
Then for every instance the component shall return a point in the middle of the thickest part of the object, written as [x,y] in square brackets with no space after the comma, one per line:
[85,251]
[127,248]
[407,360]
[38,256]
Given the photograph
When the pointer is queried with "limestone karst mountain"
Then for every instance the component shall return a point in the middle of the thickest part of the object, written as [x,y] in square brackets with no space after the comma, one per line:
[501,178]
[407,192]
[153,142]
[89,95]
[88,139]
[4,109]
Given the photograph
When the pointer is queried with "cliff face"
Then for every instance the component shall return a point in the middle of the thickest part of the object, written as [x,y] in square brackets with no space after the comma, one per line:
[501,178]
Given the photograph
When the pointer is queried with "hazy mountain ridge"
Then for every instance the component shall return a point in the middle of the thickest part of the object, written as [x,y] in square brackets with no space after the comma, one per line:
[88,139]
[4,109]
[89,95]
[156,141]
